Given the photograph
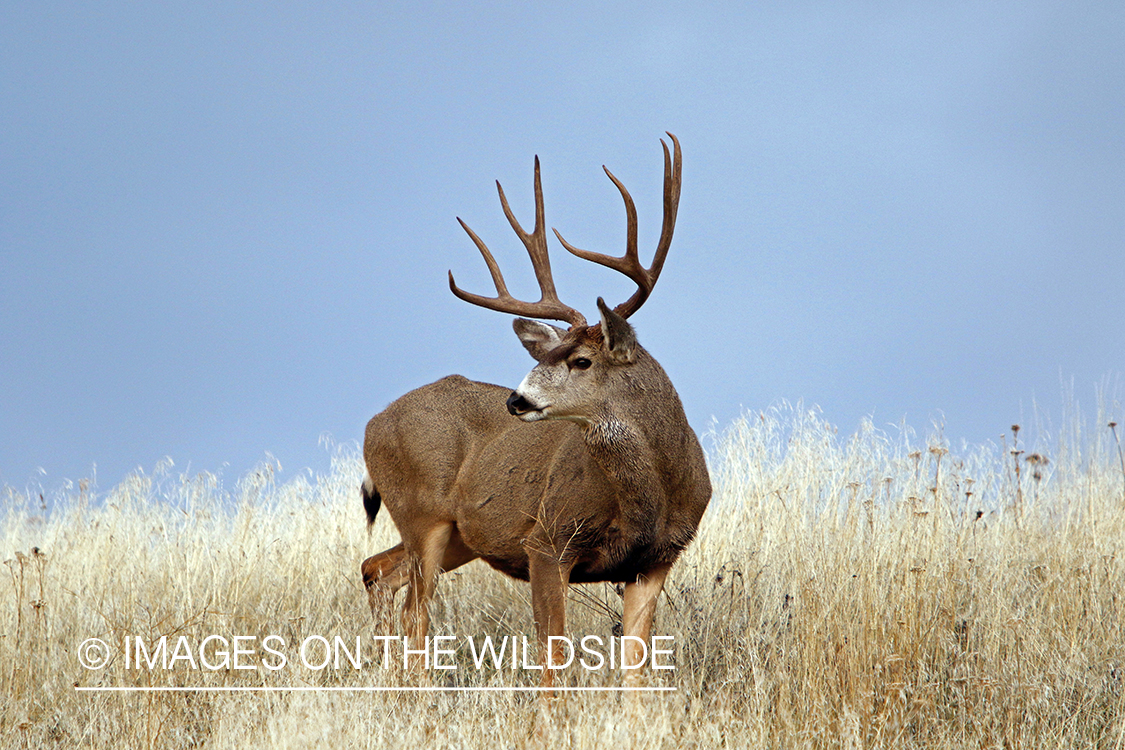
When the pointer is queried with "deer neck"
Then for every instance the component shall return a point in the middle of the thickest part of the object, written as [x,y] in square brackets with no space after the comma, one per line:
[634,441]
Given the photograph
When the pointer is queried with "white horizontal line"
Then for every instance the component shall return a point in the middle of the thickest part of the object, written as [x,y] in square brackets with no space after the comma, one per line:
[264,689]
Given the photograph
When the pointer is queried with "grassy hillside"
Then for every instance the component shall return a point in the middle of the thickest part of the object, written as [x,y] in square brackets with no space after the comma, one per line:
[844,591]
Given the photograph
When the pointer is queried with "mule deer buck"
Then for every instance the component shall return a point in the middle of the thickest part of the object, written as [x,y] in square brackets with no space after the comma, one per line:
[587,472]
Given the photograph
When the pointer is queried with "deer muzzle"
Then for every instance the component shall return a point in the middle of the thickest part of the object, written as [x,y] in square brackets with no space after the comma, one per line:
[519,406]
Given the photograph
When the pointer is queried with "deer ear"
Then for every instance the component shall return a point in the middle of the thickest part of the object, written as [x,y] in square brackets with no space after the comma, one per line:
[538,338]
[620,339]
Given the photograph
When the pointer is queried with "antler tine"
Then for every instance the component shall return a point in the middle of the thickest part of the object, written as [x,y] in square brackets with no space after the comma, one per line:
[549,306]
[629,264]
[536,242]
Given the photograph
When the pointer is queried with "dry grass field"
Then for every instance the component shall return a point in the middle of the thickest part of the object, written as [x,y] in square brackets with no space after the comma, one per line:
[871,590]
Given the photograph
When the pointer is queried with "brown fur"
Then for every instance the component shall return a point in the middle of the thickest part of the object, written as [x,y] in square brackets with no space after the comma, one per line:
[605,481]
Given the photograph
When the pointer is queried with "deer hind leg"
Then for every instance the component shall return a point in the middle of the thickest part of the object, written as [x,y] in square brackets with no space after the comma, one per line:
[438,548]
[387,572]
[383,575]
[636,620]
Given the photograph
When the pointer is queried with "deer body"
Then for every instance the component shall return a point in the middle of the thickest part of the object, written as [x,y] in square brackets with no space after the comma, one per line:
[587,472]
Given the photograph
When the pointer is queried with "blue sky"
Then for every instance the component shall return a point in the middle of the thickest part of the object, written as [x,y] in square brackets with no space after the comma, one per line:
[225,228]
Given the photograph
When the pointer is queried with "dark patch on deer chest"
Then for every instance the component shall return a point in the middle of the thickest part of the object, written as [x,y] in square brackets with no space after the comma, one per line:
[516,568]
[619,555]
[621,565]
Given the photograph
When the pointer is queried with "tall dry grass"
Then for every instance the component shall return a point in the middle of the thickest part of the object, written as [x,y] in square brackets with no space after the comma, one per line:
[870,590]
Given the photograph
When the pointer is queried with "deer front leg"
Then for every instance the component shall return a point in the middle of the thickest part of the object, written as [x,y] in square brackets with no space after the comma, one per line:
[549,580]
[636,620]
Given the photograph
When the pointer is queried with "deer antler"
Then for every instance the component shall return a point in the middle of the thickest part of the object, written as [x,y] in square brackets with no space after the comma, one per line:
[549,306]
[630,264]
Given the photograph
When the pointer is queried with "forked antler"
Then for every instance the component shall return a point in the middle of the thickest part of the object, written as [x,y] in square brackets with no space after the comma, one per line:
[549,306]
[630,264]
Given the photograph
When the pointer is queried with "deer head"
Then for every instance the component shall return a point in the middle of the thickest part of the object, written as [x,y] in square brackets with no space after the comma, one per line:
[577,366]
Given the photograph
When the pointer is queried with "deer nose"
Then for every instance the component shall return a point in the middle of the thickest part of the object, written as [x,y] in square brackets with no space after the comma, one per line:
[517,404]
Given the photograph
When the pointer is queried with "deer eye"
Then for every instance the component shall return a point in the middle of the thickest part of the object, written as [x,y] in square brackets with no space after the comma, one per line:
[582,363]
